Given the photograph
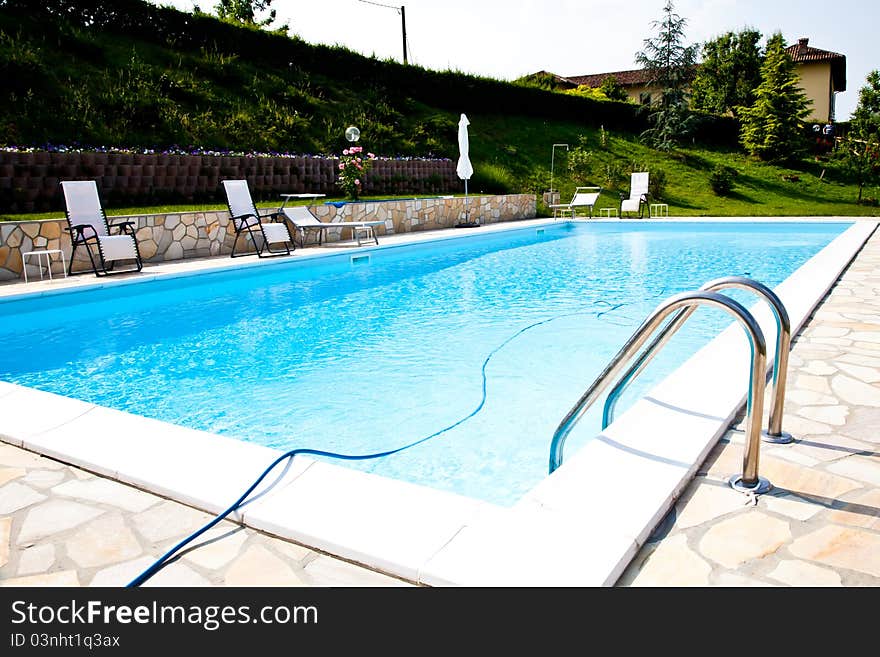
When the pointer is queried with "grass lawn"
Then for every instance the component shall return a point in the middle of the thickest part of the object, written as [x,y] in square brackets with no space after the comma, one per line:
[508,152]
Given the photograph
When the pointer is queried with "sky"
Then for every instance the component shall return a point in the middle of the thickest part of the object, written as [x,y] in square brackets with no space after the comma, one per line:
[509,39]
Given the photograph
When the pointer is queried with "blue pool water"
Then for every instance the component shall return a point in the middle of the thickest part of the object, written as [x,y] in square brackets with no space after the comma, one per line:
[363,356]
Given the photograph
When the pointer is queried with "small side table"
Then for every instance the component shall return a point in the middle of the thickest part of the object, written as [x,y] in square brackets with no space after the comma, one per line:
[608,212]
[45,252]
[659,210]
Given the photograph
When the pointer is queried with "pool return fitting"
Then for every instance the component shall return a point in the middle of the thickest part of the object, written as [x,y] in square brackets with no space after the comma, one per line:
[684,305]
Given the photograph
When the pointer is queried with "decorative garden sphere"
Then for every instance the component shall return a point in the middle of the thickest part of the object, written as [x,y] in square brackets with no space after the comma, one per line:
[352,134]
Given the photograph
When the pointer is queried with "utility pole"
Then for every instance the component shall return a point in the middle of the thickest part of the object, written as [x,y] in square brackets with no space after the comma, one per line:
[402,11]
[403,25]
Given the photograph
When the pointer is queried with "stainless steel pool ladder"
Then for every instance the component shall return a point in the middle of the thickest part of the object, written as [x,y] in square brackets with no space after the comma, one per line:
[684,305]
[774,432]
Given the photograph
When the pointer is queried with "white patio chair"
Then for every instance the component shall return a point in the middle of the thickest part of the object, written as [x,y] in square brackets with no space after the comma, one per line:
[638,194]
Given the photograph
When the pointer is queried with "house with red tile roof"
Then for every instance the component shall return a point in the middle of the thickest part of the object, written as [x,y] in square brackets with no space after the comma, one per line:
[822,73]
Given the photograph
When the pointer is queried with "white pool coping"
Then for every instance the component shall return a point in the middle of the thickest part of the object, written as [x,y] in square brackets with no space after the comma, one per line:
[585,522]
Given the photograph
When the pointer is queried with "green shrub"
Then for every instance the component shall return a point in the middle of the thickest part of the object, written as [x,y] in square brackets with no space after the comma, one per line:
[580,161]
[613,175]
[656,182]
[537,182]
[721,180]
[491,178]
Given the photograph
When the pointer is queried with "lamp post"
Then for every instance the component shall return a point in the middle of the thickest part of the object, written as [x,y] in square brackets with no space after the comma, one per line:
[402,11]
[552,162]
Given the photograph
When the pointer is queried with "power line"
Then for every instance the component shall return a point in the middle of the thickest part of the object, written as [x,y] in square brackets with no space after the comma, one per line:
[379,4]
[400,10]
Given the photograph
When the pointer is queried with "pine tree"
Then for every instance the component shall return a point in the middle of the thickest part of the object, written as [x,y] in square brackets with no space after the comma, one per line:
[670,66]
[773,126]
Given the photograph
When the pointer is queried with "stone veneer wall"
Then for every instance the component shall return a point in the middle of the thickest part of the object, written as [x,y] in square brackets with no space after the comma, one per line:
[198,234]
[29,181]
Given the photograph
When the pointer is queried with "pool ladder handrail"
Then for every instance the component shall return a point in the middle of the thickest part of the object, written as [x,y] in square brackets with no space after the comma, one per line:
[774,432]
[749,481]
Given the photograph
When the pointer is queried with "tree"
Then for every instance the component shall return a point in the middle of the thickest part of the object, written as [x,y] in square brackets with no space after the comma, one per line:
[612,89]
[245,12]
[859,151]
[670,66]
[729,73]
[866,117]
[773,125]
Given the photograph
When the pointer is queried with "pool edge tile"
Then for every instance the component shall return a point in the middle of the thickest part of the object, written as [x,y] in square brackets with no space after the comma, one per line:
[500,550]
[388,525]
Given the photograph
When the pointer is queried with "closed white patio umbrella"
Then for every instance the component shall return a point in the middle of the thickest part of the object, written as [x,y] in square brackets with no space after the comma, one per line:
[464,168]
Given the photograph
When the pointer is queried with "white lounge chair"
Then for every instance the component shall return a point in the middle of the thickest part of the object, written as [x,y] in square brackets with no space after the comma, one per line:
[303,219]
[638,194]
[584,197]
[264,230]
[88,227]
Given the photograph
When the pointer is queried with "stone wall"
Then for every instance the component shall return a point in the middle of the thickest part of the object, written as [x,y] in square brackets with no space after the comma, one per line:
[29,181]
[176,236]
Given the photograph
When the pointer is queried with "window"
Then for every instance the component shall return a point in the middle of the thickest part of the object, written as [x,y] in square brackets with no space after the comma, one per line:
[645,98]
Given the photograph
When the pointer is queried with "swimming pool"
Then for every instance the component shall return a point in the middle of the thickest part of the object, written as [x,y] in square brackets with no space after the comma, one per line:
[367,353]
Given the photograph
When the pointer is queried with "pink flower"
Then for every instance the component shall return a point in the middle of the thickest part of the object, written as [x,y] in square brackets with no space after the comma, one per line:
[345,152]
[371,156]
[357,182]
[341,166]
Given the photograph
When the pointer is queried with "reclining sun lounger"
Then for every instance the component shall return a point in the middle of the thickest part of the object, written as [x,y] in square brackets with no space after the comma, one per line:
[264,230]
[303,219]
[584,197]
[88,227]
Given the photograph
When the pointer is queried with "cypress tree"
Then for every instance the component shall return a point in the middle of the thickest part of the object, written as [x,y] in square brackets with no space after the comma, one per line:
[773,126]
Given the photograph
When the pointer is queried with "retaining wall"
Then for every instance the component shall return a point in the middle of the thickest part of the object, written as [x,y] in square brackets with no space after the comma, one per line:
[176,236]
[29,181]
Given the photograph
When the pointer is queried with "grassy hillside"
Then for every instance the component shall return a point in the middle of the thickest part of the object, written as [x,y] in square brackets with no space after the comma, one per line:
[124,73]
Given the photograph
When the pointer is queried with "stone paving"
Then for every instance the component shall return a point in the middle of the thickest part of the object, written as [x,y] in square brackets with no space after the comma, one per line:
[62,526]
[819,526]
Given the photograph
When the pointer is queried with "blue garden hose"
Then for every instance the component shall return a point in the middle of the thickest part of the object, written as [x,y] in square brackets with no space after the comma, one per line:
[165,558]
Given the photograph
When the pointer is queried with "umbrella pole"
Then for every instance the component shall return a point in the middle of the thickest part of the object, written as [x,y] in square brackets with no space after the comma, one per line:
[467,216]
